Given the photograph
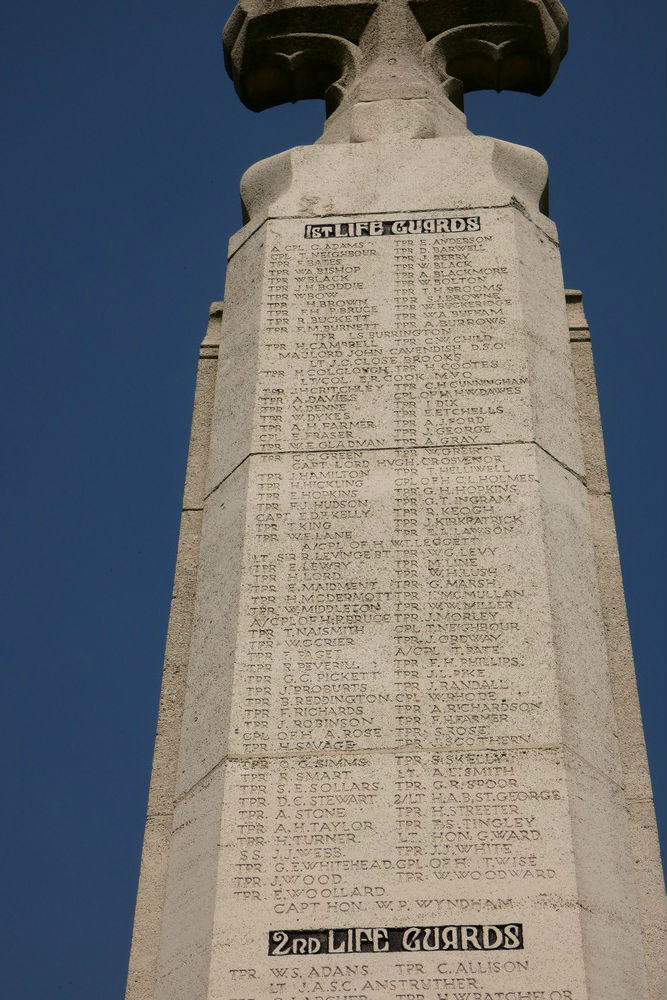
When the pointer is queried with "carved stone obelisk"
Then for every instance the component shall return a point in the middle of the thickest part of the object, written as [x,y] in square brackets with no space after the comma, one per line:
[399,752]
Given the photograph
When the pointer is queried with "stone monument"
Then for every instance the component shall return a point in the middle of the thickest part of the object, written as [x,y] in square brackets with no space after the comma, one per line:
[399,751]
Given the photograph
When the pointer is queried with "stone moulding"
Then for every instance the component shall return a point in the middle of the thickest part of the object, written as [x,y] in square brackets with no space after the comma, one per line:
[521,50]
[295,53]
[326,50]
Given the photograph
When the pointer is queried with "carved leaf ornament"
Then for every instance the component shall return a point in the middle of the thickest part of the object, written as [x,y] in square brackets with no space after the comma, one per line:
[469,44]
[278,51]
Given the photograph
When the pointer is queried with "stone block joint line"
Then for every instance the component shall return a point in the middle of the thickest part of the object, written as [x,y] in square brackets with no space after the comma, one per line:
[316,451]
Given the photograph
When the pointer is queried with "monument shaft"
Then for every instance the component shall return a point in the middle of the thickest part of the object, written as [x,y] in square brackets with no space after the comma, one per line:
[399,771]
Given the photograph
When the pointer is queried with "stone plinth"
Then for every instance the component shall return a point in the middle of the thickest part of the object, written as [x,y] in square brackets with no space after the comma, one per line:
[399,770]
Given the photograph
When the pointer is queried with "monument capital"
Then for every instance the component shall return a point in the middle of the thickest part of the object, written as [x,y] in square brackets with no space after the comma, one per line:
[353,52]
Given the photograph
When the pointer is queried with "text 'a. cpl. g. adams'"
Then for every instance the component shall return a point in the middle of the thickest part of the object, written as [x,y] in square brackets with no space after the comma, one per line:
[376,940]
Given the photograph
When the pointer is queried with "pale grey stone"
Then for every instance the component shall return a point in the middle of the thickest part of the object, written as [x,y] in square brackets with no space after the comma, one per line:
[529,350]
[174,674]
[559,634]
[647,867]
[195,479]
[584,691]
[286,741]
[426,52]
[192,886]
[622,676]
[597,480]
[316,182]
[141,983]
[577,861]
[398,686]
[142,974]
[576,319]
[606,897]
[559,529]
[643,839]
[238,362]
[204,735]
[402,888]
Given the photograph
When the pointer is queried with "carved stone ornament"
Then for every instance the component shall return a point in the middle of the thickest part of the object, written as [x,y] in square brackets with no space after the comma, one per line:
[348,52]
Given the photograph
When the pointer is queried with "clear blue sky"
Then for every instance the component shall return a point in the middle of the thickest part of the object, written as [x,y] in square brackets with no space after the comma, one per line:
[124,144]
